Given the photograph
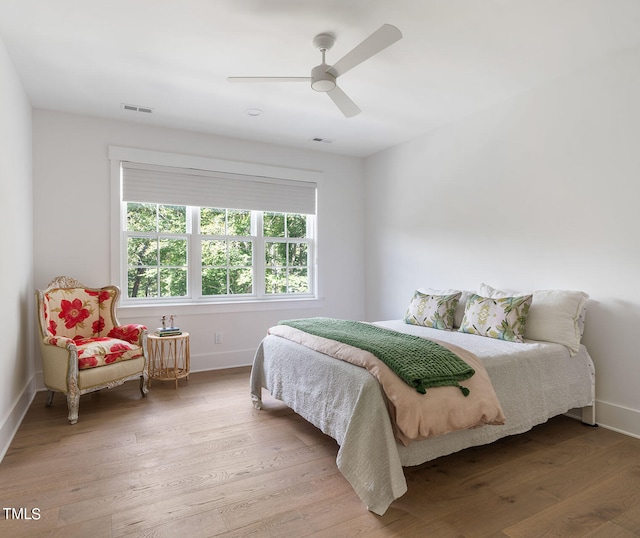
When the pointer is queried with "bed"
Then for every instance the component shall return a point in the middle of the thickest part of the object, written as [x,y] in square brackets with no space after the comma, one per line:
[533,380]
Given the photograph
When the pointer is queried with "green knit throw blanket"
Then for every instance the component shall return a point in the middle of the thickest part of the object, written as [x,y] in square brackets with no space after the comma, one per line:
[419,362]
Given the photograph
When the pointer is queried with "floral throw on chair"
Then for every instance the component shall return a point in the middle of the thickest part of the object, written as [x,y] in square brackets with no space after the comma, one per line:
[84,348]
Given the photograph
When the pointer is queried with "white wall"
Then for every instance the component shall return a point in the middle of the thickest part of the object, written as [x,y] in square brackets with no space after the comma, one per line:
[72,222]
[17,385]
[539,192]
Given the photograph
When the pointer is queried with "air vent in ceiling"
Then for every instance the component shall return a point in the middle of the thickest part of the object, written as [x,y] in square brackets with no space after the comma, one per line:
[137,108]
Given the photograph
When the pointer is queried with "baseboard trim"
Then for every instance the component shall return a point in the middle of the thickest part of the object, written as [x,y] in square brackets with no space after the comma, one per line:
[14,417]
[618,418]
[222,360]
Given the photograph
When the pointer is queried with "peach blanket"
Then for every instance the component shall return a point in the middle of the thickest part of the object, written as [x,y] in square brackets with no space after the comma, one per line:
[413,415]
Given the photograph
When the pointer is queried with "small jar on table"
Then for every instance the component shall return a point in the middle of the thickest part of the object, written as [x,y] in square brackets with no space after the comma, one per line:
[169,358]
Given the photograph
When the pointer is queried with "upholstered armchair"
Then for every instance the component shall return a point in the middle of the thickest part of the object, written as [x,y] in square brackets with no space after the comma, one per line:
[83,346]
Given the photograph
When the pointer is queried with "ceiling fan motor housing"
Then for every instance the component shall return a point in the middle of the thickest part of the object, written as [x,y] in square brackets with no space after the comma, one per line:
[321,81]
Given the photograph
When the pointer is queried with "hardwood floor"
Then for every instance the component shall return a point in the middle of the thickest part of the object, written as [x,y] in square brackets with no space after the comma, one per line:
[200,461]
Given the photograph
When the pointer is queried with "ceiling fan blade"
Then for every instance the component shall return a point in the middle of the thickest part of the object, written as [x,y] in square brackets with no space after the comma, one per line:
[379,40]
[269,79]
[343,102]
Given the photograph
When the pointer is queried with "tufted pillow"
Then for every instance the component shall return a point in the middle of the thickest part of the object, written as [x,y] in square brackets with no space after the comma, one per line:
[502,318]
[555,316]
[435,311]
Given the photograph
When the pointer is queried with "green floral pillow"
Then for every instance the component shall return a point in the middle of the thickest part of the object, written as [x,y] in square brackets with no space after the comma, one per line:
[501,318]
[435,311]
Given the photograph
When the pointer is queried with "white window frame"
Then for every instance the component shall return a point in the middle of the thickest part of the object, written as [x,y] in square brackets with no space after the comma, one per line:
[230,303]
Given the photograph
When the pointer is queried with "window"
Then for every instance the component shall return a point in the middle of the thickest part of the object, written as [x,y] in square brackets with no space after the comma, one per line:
[191,233]
[286,251]
[183,252]
[207,253]
[157,246]
[227,247]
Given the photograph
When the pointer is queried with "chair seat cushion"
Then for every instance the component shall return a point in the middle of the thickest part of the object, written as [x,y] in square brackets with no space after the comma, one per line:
[94,352]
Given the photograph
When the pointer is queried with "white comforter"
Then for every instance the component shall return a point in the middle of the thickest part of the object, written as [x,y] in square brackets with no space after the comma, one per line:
[534,381]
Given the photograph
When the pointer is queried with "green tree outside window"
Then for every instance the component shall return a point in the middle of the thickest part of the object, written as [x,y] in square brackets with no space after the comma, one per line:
[160,252]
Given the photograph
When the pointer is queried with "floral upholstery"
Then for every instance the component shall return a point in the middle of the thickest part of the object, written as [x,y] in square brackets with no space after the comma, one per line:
[82,345]
[85,318]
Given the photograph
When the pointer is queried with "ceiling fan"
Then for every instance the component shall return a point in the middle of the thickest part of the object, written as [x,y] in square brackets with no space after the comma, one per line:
[323,77]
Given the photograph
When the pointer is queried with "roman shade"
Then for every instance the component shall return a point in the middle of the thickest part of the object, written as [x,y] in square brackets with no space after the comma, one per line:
[207,188]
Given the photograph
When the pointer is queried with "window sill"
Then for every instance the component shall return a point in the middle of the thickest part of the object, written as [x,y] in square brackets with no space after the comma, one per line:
[178,309]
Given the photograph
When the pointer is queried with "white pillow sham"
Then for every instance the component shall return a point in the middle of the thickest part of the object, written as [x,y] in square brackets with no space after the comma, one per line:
[554,316]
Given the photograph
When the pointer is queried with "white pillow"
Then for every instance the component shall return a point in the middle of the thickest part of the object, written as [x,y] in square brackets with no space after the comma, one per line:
[555,315]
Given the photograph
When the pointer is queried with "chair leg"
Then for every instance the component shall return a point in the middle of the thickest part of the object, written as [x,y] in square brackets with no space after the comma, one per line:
[49,401]
[73,402]
[144,384]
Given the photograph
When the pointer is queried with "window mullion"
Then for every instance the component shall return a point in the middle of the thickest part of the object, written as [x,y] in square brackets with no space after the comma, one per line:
[311,254]
[194,262]
[259,254]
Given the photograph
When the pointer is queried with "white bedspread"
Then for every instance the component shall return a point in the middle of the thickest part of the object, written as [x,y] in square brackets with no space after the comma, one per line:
[534,381]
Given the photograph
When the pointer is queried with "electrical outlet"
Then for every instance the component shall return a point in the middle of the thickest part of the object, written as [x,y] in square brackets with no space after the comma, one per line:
[218,338]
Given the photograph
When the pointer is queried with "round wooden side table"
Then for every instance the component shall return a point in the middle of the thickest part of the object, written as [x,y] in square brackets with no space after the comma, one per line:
[169,358]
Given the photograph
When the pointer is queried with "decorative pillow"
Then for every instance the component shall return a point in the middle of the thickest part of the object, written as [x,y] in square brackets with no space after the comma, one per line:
[462,302]
[555,316]
[502,318]
[435,311]
[462,306]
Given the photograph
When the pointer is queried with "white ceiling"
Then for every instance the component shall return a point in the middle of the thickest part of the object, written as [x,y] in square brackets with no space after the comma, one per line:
[456,57]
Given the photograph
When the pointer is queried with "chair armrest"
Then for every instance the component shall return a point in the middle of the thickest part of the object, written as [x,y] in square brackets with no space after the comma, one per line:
[59,341]
[131,333]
